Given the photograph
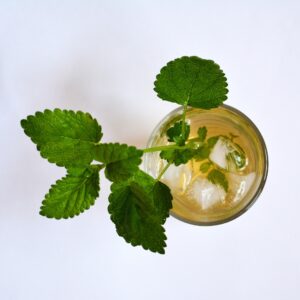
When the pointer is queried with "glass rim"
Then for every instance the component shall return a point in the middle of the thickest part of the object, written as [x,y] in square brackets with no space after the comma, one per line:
[263,179]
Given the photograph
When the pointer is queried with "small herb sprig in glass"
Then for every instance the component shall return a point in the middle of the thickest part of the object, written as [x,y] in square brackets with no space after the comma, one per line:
[138,204]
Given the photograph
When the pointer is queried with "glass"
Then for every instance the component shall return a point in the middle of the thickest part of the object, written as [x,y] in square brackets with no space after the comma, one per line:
[194,197]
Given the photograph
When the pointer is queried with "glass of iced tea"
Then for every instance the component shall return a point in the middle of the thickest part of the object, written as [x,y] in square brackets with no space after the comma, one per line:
[234,146]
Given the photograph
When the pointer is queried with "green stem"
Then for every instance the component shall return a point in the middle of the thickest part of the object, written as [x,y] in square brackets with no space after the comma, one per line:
[161,148]
[99,166]
[196,139]
[163,171]
[183,118]
[172,147]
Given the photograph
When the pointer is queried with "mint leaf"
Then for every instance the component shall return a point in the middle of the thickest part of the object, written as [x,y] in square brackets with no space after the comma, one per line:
[202,152]
[217,177]
[64,137]
[121,160]
[68,152]
[202,132]
[72,194]
[174,133]
[205,167]
[177,156]
[162,198]
[193,81]
[237,156]
[139,208]
[212,141]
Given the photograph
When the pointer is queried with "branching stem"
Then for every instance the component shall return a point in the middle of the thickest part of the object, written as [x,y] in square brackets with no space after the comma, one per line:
[188,145]
[163,171]
[164,147]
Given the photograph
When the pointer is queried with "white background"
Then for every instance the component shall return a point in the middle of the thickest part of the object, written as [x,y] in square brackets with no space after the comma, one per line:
[102,57]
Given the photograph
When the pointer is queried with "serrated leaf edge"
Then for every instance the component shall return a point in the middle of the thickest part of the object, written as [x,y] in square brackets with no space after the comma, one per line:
[52,187]
[205,104]
[114,187]
[58,110]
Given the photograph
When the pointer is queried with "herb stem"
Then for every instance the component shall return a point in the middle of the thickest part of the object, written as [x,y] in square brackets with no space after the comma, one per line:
[161,148]
[98,166]
[196,139]
[163,171]
[172,146]
[183,118]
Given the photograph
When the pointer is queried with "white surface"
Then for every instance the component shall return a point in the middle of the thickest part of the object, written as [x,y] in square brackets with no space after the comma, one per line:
[102,57]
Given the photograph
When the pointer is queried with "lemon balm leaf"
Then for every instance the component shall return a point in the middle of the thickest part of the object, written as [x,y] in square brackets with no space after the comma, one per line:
[68,152]
[50,126]
[121,160]
[202,153]
[202,132]
[139,207]
[192,81]
[204,167]
[177,156]
[217,177]
[64,137]
[138,204]
[72,194]
[162,198]
[176,135]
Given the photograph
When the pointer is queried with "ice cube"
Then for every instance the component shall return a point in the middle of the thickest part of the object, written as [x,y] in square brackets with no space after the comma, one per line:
[240,184]
[219,153]
[177,178]
[205,193]
[228,155]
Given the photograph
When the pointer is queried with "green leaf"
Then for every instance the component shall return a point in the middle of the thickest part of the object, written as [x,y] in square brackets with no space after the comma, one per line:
[162,198]
[202,132]
[177,156]
[238,156]
[174,133]
[72,194]
[139,208]
[121,160]
[202,152]
[68,152]
[212,141]
[205,167]
[64,137]
[217,177]
[193,81]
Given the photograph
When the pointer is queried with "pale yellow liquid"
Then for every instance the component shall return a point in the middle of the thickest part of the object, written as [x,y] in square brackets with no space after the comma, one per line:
[220,121]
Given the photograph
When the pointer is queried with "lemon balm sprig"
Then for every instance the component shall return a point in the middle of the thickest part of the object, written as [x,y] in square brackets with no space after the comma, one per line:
[138,204]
